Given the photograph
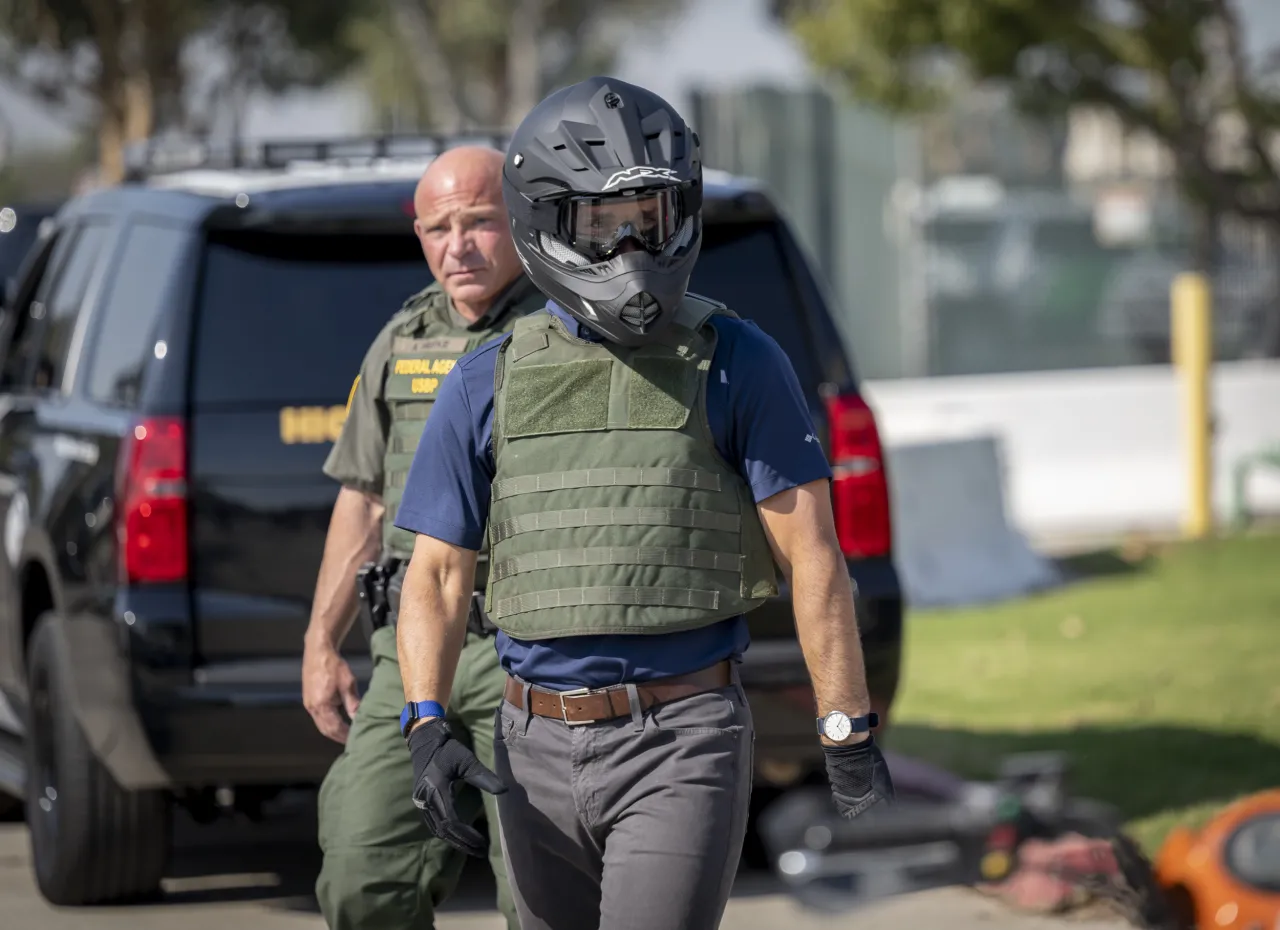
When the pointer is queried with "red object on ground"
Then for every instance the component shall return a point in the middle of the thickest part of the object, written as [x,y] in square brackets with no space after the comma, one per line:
[1056,875]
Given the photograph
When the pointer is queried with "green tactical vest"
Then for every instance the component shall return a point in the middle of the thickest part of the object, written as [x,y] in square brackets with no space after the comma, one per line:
[612,510]
[426,344]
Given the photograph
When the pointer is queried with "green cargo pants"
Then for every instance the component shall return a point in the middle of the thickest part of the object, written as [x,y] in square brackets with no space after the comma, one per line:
[382,869]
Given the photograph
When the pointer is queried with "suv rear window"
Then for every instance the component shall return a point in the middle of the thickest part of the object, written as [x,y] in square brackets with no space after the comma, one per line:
[742,265]
[286,318]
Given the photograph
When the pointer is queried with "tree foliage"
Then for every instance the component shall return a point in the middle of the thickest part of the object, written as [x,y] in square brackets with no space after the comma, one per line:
[129,62]
[139,68]
[1175,69]
[485,63]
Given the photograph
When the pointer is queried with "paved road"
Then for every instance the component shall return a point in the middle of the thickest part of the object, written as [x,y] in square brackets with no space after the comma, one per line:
[260,878]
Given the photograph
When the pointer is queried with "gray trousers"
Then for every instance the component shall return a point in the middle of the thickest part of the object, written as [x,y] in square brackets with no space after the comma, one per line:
[628,824]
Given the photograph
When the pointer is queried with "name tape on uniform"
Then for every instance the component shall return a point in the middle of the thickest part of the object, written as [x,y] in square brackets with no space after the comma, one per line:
[424,366]
[407,345]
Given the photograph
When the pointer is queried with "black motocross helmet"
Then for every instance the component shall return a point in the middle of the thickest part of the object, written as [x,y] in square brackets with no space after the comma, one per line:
[603,182]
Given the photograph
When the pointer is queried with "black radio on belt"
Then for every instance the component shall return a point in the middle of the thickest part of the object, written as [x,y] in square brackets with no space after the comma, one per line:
[373,584]
[478,621]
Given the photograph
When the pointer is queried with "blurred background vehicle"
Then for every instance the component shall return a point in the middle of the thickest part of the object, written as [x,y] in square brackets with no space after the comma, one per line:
[1246,300]
[176,359]
[1012,278]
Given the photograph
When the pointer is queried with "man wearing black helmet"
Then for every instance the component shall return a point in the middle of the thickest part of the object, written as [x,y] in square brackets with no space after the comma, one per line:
[643,463]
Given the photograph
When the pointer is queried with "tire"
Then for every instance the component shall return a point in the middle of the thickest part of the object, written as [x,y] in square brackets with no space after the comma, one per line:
[10,809]
[1094,819]
[1139,897]
[92,842]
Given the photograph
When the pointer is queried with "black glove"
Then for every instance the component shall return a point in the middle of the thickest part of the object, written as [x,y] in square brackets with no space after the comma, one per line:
[439,761]
[859,778]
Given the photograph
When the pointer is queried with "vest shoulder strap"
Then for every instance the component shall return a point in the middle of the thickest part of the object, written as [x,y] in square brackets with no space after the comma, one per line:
[535,321]
[417,311]
[532,328]
[422,298]
[696,310]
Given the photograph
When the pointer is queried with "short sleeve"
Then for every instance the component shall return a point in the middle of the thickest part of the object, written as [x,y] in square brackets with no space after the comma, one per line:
[770,431]
[446,495]
[356,459]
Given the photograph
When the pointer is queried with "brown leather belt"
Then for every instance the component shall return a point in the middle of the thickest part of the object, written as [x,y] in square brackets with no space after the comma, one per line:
[591,706]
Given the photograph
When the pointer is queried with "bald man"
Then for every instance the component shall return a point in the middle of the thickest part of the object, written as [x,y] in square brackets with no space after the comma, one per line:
[382,869]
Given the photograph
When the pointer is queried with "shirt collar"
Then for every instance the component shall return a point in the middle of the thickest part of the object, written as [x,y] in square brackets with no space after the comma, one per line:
[506,299]
[574,325]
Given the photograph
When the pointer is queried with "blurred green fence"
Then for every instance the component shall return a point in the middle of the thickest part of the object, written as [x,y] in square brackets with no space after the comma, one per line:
[958,245]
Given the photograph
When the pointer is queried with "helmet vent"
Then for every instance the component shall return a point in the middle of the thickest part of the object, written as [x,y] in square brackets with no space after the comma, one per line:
[640,311]
[680,239]
[560,252]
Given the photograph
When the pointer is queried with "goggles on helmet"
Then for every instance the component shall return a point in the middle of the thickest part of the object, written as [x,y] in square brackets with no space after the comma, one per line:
[598,226]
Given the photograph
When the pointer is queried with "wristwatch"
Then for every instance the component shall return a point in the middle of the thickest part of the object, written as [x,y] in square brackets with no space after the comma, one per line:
[416,710]
[838,726]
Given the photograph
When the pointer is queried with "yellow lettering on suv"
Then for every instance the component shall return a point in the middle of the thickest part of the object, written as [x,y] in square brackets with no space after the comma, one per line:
[311,424]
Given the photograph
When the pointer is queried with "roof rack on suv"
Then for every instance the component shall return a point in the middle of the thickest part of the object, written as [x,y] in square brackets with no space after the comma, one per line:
[159,156]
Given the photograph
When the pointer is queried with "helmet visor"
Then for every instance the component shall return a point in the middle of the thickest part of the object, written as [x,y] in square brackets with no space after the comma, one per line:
[598,226]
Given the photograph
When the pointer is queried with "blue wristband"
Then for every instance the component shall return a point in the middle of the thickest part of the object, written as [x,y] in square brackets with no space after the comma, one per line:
[416,710]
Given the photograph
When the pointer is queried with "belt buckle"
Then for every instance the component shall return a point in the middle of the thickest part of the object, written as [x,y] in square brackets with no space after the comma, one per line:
[564,711]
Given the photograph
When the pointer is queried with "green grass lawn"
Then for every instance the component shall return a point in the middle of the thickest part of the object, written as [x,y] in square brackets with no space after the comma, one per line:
[1158,675]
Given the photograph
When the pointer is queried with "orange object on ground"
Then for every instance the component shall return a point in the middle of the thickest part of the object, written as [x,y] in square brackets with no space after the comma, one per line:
[1226,876]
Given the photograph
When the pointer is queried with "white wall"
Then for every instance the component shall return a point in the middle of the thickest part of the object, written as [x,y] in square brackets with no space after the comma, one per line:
[1098,451]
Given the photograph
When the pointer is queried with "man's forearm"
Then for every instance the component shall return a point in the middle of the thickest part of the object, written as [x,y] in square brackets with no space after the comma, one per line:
[822,596]
[432,626]
[353,540]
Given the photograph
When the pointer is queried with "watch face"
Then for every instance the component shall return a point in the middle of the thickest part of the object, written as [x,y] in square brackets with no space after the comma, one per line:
[837,726]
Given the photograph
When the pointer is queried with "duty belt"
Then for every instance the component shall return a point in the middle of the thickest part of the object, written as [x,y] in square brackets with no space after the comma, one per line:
[592,705]
[378,588]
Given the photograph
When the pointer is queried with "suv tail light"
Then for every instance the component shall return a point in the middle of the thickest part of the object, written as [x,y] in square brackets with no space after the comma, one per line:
[860,492]
[152,502]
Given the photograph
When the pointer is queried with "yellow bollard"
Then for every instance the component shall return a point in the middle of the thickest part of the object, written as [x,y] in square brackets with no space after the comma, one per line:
[1192,351]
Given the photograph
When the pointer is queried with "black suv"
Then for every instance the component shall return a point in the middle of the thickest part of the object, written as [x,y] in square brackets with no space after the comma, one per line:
[174,363]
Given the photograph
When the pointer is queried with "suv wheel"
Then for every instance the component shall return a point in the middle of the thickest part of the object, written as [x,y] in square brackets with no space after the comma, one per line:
[10,808]
[92,842]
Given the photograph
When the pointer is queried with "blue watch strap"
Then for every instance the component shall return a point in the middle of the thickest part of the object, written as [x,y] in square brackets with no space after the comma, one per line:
[416,710]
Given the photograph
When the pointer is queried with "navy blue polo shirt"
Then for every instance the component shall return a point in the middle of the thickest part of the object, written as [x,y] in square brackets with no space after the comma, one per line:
[760,421]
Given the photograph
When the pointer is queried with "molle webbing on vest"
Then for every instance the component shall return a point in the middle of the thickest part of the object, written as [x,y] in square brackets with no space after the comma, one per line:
[410,410]
[612,510]
[614,516]
[606,597]
[425,347]
[606,478]
[617,555]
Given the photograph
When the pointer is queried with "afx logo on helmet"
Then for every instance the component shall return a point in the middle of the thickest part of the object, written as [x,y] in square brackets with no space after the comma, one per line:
[618,262]
[637,172]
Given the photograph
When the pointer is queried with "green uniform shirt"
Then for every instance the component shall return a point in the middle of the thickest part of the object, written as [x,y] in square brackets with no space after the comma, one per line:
[357,457]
